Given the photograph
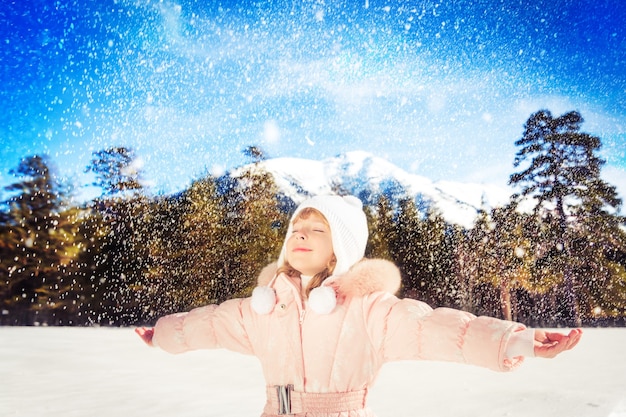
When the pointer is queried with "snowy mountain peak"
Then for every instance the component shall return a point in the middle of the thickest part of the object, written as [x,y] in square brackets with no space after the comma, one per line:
[368,176]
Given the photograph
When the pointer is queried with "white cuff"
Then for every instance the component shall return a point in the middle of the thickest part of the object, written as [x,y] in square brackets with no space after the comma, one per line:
[521,343]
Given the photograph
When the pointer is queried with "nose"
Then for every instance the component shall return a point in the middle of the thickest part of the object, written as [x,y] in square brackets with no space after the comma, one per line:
[300,236]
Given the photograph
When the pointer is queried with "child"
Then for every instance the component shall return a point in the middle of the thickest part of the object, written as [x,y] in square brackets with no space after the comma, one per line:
[323,320]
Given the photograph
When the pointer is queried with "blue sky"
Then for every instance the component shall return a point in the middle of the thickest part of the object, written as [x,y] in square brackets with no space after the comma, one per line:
[442,89]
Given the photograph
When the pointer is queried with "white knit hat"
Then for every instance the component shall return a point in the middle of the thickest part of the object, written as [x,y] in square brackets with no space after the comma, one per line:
[348,227]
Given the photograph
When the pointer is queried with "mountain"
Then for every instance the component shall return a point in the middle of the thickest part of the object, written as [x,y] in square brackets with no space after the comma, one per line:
[367,176]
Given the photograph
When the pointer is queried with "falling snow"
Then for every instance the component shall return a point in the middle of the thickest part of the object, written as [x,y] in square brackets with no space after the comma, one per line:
[438,89]
[372,98]
[143,144]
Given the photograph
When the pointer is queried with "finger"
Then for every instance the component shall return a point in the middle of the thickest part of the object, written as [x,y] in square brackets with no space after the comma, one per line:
[560,342]
[570,340]
[575,336]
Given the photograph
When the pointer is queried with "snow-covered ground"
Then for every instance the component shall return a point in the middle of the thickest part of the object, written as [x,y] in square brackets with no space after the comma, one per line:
[110,372]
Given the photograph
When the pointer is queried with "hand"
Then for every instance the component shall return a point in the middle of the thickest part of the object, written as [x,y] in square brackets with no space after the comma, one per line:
[548,344]
[145,334]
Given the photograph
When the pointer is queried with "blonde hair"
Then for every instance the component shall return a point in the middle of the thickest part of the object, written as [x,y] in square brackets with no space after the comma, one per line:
[318,278]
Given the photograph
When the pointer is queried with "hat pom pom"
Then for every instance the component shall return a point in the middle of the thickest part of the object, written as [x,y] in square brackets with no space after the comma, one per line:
[263,300]
[322,300]
[353,201]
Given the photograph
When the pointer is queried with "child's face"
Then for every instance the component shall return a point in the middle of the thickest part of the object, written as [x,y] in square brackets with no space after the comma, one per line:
[310,246]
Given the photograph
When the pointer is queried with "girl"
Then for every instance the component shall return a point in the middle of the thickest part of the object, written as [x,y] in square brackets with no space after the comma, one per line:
[323,320]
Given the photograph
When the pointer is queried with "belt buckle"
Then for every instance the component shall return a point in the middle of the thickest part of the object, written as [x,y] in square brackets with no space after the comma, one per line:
[284,399]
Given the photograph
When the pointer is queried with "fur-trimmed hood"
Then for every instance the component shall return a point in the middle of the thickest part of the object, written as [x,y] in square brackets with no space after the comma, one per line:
[365,277]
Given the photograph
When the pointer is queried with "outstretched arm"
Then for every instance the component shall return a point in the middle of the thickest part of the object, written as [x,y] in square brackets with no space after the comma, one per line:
[207,327]
[550,344]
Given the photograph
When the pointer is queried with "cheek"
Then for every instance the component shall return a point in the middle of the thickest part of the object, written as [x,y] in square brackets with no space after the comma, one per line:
[290,240]
[329,249]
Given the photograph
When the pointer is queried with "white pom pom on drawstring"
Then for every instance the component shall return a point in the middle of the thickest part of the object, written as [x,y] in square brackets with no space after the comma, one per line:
[263,300]
[322,300]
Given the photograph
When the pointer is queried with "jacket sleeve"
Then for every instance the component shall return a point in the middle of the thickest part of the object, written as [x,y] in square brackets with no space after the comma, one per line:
[209,327]
[411,329]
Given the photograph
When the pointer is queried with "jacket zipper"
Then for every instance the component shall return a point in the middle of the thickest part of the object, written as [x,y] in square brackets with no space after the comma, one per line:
[302,314]
[301,321]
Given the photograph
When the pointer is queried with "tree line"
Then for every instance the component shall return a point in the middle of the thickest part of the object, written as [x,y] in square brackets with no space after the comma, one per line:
[127,258]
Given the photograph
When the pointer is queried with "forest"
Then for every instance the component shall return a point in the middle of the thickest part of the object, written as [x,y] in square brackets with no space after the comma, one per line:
[127,257]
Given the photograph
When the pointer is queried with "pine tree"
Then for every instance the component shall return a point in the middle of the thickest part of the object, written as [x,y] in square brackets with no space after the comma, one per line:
[405,245]
[39,247]
[256,227]
[508,262]
[117,170]
[164,239]
[255,153]
[465,266]
[122,220]
[381,228]
[563,176]
[598,251]
[477,258]
[204,249]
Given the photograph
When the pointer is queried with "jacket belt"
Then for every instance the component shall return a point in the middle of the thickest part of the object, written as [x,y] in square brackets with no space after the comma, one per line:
[282,400]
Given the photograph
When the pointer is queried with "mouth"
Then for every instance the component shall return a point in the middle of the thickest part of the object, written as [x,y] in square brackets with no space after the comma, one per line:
[301,250]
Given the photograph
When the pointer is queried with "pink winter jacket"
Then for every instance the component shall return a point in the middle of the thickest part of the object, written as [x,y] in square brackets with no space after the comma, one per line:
[340,352]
